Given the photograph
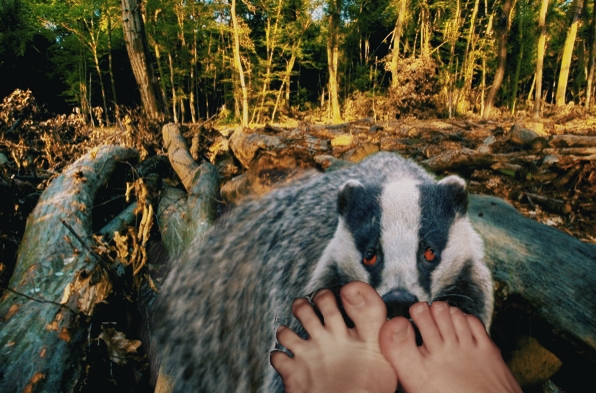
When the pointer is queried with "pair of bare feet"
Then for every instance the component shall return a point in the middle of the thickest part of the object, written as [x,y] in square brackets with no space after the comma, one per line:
[456,355]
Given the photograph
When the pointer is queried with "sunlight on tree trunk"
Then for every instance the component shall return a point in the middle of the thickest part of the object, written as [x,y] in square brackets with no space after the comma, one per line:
[520,57]
[540,57]
[576,11]
[333,57]
[396,39]
[469,59]
[502,56]
[238,64]
[592,54]
[136,46]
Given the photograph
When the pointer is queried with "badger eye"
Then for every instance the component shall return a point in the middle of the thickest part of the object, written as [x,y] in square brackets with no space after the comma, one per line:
[370,257]
[429,254]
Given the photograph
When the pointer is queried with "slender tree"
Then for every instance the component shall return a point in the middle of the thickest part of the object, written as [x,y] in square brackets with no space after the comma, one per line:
[333,17]
[576,10]
[238,64]
[591,55]
[502,57]
[396,40]
[540,57]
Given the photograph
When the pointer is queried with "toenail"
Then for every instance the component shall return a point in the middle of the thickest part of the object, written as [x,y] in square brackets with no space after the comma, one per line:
[320,293]
[355,299]
[399,329]
[418,308]
[452,310]
[439,306]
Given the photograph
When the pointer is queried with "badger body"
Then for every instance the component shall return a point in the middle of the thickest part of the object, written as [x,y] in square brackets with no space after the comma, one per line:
[219,308]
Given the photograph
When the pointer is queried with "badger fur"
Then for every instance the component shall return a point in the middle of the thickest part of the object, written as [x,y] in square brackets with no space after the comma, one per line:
[384,221]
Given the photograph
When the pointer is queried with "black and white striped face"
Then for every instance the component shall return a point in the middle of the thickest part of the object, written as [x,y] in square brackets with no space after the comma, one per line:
[412,242]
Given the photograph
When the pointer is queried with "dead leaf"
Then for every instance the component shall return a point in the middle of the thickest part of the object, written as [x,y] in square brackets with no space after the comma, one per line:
[119,347]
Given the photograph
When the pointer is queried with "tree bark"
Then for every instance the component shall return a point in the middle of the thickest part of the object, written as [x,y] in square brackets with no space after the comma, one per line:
[576,11]
[541,264]
[502,55]
[57,281]
[540,57]
[110,66]
[238,64]
[396,40]
[333,57]
[515,81]
[133,29]
[591,60]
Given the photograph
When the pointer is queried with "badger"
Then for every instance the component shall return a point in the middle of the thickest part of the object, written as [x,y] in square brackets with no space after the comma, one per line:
[384,221]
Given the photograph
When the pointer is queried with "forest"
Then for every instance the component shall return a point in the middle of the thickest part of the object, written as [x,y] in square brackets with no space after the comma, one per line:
[262,61]
[127,128]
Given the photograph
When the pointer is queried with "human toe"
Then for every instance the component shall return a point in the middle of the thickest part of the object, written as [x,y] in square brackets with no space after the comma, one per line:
[365,308]
[422,317]
[305,313]
[326,303]
[441,314]
[398,344]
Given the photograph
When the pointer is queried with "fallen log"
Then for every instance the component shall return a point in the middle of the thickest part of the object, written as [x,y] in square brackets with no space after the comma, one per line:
[572,141]
[579,151]
[552,271]
[185,217]
[550,204]
[453,160]
[525,137]
[57,281]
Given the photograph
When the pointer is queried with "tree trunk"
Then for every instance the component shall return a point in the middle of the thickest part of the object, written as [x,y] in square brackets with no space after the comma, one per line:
[592,54]
[540,57]
[470,56]
[111,68]
[238,64]
[502,55]
[576,11]
[396,39]
[333,57]
[515,80]
[57,281]
[133,29]
[172,82]
[532,261]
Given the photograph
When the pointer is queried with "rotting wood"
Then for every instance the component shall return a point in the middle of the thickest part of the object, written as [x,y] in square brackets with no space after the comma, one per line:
[187,218]
[579,151]
[573,141]
[245,145]
[550,204]
[452,160]
[52,290]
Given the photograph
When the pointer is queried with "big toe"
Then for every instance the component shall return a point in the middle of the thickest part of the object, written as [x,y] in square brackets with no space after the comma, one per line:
[365,308]
[397,340]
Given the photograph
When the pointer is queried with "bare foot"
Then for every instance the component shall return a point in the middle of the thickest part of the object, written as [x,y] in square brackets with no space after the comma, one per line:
[335,358]
[456,355]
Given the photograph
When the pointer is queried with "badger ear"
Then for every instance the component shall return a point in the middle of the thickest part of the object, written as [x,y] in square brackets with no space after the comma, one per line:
[455,188]
[348,194]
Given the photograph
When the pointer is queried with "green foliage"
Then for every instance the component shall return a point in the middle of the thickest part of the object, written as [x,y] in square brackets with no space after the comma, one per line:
[190,46]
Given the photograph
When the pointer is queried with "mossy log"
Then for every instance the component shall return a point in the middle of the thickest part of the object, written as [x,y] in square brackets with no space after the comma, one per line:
[57,281]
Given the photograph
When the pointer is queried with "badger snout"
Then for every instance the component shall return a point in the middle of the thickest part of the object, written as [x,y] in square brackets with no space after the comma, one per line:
[398,303]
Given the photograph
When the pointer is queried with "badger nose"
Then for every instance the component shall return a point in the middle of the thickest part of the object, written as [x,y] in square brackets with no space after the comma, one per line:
[398,303]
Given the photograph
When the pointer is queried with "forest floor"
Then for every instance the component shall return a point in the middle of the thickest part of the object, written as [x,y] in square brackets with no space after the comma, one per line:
[553,181]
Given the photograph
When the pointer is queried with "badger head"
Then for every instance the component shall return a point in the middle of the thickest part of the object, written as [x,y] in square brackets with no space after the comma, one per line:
[412,241]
